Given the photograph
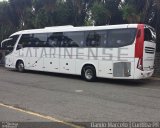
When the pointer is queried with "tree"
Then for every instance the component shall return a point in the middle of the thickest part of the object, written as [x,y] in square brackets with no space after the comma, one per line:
[131,10]
[154,20]
[6,24]
[27,14]
[19,10]
[130,14]
[115,13]
[100,14]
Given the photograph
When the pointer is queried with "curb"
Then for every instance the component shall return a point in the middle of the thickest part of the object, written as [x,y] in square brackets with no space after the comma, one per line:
[154,78]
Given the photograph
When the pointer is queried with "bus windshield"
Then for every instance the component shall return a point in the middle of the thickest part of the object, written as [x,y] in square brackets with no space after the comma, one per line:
[8,44]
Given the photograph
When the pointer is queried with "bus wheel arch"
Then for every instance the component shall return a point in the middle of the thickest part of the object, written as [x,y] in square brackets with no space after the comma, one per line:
[20,65]
[88,72]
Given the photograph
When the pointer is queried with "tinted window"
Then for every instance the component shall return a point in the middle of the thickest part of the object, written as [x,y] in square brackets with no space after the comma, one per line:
[9,44]
[33,40]
[54,39]
[103,38]
[121,37]
[96,38]
[92,39]
[39,40]
[25,41]
[149,35]
[6,45]
[73,39]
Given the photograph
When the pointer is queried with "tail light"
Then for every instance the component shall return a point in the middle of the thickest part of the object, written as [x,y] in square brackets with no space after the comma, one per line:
[139,46]
[140,64]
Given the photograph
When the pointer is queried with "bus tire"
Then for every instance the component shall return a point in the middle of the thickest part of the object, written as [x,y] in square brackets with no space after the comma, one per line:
[89,73]
[20,66]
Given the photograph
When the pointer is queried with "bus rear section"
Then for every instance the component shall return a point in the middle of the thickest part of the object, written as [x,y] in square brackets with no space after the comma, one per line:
[145,49]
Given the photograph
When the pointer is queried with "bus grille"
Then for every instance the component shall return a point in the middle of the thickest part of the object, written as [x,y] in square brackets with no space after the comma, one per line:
[149,50]
[122,69]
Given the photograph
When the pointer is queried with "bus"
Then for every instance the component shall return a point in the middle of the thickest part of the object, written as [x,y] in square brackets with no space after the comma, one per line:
[124,51]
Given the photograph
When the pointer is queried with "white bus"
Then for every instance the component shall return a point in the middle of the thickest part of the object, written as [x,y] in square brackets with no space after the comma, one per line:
[116,51]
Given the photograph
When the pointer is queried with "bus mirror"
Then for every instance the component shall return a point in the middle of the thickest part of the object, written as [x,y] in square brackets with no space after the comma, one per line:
[19,46]
[10,48]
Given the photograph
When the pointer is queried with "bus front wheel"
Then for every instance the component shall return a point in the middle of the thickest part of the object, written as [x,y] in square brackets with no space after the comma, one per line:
[89,73]
[20,66]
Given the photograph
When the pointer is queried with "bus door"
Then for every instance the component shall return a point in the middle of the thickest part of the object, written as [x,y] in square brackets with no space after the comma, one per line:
[36,59]
[34,50]
[9,48]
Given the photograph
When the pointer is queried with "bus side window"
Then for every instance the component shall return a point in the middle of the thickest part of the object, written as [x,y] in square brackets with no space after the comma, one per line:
[24,41]
[121,37]
[103,38]
[149,35]
[9,44]
[40,40]
[92,39]
[65,41]
[54,39]
[73,39]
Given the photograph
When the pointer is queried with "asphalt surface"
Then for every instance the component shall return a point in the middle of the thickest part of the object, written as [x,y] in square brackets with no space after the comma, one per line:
[12,115]
[69,98]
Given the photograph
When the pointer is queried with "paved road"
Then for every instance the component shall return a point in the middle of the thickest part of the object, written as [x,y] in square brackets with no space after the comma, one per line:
[12,115]
[68,98]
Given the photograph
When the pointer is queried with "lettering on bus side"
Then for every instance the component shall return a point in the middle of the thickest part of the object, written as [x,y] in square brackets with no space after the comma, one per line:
[122,54]
[77,53]
[107,54]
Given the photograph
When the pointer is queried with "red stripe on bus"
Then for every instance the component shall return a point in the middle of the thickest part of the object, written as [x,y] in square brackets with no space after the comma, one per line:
[139,42]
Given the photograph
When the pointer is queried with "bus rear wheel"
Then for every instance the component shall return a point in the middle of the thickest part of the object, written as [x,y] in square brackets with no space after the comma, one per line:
[89,73]
[20,66]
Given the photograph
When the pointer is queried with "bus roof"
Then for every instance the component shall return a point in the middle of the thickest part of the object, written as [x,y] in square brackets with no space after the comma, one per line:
[70,28]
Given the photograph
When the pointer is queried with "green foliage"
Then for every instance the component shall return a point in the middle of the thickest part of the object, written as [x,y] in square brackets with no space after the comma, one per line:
[100,14]
[115,12]
[64,14]
[130,14]
[28,14]
[6,25]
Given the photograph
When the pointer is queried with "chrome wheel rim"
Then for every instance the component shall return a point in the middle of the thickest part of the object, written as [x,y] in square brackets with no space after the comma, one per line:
[89,74]
[21,67]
